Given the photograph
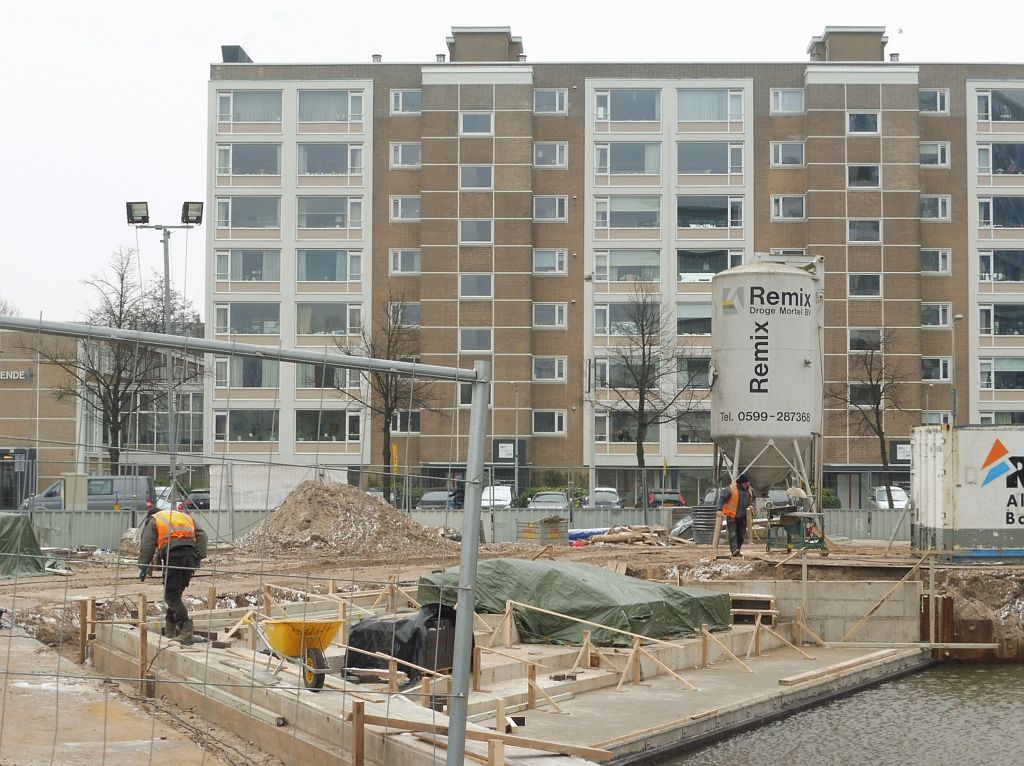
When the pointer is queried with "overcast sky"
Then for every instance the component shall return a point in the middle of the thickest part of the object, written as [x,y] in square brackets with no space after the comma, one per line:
[105,102]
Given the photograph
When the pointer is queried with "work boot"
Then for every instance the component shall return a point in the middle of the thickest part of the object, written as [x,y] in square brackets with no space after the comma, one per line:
[185,632]
[170,628]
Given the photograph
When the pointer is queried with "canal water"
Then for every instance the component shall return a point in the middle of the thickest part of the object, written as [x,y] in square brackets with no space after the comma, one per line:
[950,714]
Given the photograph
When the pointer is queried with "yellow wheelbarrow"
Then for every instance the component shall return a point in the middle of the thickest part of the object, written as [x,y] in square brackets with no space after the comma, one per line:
[301,642]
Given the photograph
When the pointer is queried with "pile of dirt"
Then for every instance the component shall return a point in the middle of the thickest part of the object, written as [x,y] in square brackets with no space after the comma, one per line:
[340,519]
[988,595]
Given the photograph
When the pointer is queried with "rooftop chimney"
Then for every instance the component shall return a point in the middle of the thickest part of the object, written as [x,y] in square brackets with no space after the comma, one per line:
[376,58]
[234,54]
[440,58]
[849,44]
[894,57]
[472,44]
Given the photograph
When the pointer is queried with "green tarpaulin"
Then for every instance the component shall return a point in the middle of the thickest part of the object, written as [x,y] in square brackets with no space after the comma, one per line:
[586,592]
[19,550]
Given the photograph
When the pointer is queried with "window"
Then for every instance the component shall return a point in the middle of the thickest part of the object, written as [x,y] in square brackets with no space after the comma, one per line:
[327,318]
[712,157]
[330,265]
[405,261]
[1001,159]
[986,376]
[549,369]
[1001,105]
[864,230]
[619,319]
[865,339]
[405,208]
[466,394]
[935,207]
[616,426]
[405,155]
[406,101]
[248,318]
[1001,265]
[550,208]
[248,426]
[627,265]
[249,265]
[405,422]
[1001,319]
[865,394]
[935,261]
[862,122]
[475,285]
[550,100]
[693,319]
[330,159]
[787,207]
[865,286]
[628,105]
[476,123]
[247,372]
[709,105]
[248,106]
[1007,373]
[618,372]
[473,177]
[474,339]
[699,211]
[549,261]
[935,315]
[933,100]
[549,315]
[622,212]
[249,159]
[787,154]
[1001,212]
[693,372]
[787,100]
[249,212]
[325,376]
[330,212]
[627,158]
[938,417]
[551,154]
[405,314]
[326,426]
[330,106]
[475,231]
[1003,418]
[693,427]
[935,154]
[548,422]
[863,176]
[934,368]
[701,265]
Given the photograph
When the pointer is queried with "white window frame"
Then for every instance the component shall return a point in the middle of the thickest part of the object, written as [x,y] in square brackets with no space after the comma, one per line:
[942,153]
[881,235]
[561,155]
[559,424]
[559,371]
[399,319]
[411,420]
[603,259]
[945,313]
[779,106]
[559,319]
[854,405]
[878,123]
[944,257]
[985,212]
[985,159]
[777,154]
[395,259]
[944,201]
[397,206]
[488,241]
[560,256]
[488,350]
[355,105]
[561,100]
[561,208]
[353,213]
[465,393]
[945,365]
[473,297]
[398,151]
[471,113]
[984,103]
[352,376]
[353,319]
[779,207]
[849,340]
[221,371]
[987,374]
[603,101]
[397,101]
[226,108]
[940,417]
[355,158]
[489,187]
[733,104]
[849,167]
[986,319]
[852,297]
[353,266]
[941,100]
[733,154]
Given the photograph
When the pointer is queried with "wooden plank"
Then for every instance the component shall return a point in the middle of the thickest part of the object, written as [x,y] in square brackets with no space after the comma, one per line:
[239,624]
[839,667]
[358,733]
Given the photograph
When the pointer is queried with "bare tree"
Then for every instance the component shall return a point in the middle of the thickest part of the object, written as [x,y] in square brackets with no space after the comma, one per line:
[110,377]
[393,335]
[876,389]
[7,307]
[645,375]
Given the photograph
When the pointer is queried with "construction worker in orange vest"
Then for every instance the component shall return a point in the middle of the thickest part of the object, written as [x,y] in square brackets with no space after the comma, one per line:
[179,544]
[735,503]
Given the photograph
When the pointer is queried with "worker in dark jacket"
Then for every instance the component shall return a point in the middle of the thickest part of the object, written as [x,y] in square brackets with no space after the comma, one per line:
[735,502]
[179,544]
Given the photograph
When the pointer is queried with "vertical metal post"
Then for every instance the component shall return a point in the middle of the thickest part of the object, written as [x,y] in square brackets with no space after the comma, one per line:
[515,447]
[463,651]
[172,435]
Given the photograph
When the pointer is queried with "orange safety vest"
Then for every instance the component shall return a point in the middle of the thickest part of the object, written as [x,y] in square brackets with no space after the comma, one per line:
[173,525]
[733,503]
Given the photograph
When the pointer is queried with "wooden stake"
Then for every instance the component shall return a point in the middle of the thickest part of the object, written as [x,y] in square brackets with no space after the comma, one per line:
[211,598]
[343,610]
[477,661]
[508,624]
[143,645]
[234,629]
[499,715]
[726,649]
[358,732]
[583,658]
[705,646]
[425,687]
[668,670]
[540,690]
[798,627]
[634,661]
[531,687]
[757,635]
[797,648]
[392,675]
[495,752]
[83,629]
[717,534]
[332,586]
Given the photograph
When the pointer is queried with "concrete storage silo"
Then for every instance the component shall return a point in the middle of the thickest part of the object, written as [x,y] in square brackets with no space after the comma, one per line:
[766,356]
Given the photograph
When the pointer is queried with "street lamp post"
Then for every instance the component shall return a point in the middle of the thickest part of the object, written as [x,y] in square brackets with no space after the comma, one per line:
[191,216]
[952,365]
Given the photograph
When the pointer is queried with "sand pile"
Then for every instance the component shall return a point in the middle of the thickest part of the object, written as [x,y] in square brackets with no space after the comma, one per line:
[342,519]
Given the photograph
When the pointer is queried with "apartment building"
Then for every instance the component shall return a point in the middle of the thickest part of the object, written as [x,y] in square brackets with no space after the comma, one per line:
[512,211]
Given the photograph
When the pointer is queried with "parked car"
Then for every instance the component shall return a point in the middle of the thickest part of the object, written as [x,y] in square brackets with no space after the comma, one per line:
[550,501]
[604,497]
[662,498]
[495,497]
[198,499]
[104,493]
[878,501]
[435,500]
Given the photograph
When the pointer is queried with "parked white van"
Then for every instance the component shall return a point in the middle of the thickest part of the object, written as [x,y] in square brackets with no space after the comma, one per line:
[496,497]
[105,493]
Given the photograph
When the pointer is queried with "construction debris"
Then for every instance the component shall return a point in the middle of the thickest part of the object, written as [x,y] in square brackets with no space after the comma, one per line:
[637,534]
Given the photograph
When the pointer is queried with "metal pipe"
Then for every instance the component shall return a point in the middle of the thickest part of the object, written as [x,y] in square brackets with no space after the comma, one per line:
[172,426]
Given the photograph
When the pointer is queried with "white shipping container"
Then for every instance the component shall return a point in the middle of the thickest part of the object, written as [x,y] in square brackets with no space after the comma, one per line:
[967,490]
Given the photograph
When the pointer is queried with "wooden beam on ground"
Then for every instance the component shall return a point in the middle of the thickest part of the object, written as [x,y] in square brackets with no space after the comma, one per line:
[812,675]
[792,555]
[538,689]
[881,601]
[513,657]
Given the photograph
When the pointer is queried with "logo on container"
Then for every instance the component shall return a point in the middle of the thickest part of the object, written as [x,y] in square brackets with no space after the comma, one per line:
[997,462]
[732,300]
